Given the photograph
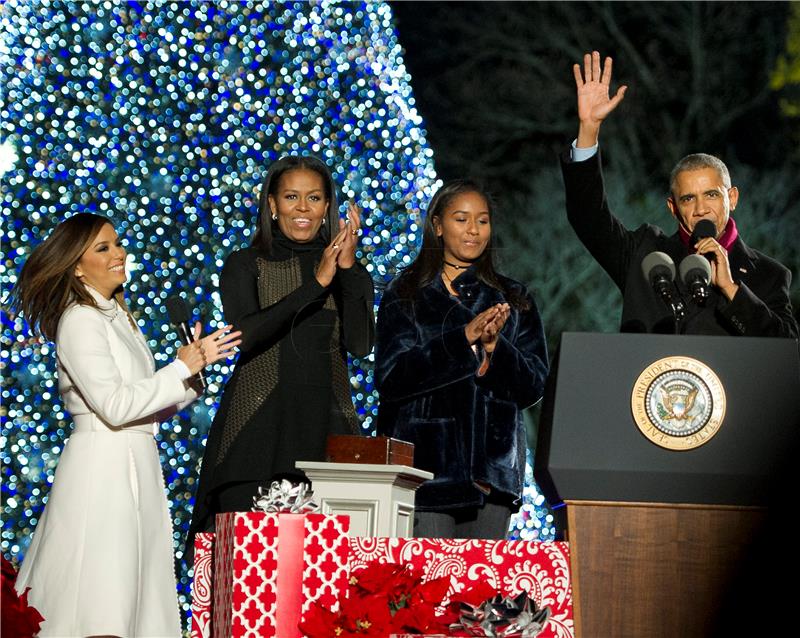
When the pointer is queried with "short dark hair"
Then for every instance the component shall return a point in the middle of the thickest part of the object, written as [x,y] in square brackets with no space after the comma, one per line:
[697,161]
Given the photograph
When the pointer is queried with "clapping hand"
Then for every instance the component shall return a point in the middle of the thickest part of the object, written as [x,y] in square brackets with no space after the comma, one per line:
[491,331]
[220,344]
[341,252]
[352,228]
[486,325]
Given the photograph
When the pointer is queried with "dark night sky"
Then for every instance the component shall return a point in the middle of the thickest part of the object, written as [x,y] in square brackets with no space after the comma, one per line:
[493,84]
[438,39]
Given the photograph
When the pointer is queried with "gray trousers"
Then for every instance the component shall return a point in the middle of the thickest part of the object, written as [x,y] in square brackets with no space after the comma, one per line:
[489,521]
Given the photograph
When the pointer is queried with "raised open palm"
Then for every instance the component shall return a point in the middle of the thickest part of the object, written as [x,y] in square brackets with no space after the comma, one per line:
[594,103]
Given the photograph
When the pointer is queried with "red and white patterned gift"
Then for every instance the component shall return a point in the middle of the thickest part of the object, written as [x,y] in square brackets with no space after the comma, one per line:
[539,568]
[201,585]
[270,568]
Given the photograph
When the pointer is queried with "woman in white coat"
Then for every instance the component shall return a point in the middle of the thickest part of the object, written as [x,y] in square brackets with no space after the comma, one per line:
[101,563]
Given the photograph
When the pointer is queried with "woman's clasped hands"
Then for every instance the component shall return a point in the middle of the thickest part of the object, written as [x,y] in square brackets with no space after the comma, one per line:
[341,252]
[486,326]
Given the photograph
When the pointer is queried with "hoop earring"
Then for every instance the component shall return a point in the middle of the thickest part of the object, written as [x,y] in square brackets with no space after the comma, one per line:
[274,217]
[324,221]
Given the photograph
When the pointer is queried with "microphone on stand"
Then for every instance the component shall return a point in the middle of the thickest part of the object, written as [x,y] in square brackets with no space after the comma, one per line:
[659,271]
[179,317]
[695,273]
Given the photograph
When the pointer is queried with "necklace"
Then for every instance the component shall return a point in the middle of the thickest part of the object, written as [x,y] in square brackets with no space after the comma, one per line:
[456,266]
[448,283]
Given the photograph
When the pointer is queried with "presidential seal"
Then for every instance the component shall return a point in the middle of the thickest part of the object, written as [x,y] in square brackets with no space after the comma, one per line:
[678,403]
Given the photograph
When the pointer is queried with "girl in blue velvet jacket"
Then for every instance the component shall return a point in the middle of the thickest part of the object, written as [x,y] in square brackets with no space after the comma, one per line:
[460,352]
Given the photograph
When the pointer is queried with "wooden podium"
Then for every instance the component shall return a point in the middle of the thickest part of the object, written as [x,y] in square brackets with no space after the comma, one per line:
[657,535]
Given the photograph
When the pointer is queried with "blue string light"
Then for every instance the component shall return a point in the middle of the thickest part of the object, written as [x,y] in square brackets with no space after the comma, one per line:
[165,116]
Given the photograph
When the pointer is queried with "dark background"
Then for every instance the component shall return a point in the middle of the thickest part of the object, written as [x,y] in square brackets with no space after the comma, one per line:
[493,82]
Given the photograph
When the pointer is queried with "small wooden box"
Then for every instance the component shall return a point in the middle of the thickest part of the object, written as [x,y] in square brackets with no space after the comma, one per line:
[379,450]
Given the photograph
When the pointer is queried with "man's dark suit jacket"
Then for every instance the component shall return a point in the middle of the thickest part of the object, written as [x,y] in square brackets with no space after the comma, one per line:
[761,307]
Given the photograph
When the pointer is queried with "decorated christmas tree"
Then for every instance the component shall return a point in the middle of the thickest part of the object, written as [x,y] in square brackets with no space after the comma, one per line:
[164,116]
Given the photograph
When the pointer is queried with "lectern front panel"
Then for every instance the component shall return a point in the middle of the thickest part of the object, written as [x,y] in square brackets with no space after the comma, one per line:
[590,447]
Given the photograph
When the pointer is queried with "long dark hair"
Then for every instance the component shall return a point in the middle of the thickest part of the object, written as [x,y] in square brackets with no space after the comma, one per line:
[430,259]
[47,284]
[265,225]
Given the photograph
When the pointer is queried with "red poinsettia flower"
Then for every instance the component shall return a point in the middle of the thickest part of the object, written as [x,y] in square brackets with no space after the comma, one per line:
[419,620]
[430,593]
[367,616]
[19,619]
[320,622]
[386,598]
[476,594]
[388,579]
[358,616]
[377,577]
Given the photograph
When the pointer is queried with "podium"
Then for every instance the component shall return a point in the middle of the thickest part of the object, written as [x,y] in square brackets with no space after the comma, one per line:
[378,498]
[660,514]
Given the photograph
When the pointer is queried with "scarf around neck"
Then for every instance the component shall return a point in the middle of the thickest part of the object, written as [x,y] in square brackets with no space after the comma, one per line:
[725,240]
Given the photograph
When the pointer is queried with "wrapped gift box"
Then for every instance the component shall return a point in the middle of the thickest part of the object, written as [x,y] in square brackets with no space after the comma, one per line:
[201,585]
[539,568]
[270,568]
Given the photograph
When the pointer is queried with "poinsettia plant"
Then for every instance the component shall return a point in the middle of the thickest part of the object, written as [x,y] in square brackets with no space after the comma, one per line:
[382,599]
[385,599]
[19,619]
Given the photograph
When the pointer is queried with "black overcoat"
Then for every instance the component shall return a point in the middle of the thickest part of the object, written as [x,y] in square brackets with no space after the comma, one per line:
[760,308]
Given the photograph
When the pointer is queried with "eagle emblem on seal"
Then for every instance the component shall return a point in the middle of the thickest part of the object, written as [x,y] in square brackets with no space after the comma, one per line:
[678,402]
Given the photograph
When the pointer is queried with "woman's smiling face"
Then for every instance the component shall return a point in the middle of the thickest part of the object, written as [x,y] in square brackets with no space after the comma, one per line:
[465,227]
[300,204]
[102,265]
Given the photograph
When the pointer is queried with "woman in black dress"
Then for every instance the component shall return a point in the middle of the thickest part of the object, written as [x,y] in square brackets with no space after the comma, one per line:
[460,351]
[302,303]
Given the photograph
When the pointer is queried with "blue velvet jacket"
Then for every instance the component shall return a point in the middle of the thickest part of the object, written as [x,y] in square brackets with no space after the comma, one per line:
[466,429]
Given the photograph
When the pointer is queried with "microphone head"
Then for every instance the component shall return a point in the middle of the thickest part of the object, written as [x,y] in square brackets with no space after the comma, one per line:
[704,228]
[695,265]
[658,264]
[177,310]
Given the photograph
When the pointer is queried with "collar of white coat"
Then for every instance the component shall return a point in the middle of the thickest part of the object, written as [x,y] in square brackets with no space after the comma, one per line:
[109,308]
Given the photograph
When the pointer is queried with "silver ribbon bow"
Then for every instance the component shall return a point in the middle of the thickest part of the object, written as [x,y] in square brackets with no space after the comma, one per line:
[517,617]
[285,498]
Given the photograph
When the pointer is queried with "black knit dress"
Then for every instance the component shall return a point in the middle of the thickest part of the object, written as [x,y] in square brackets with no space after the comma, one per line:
[290,388]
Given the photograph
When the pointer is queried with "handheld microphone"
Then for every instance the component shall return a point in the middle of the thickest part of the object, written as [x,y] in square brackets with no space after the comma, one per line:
[695,272]
[704,228]
[179,317]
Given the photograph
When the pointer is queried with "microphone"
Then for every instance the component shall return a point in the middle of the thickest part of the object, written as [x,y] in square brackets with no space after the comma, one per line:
[659,270]
[179,317]
[704,228]
[695,272]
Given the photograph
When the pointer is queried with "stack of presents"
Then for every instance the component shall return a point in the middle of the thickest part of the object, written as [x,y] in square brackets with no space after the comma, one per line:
[285,571]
